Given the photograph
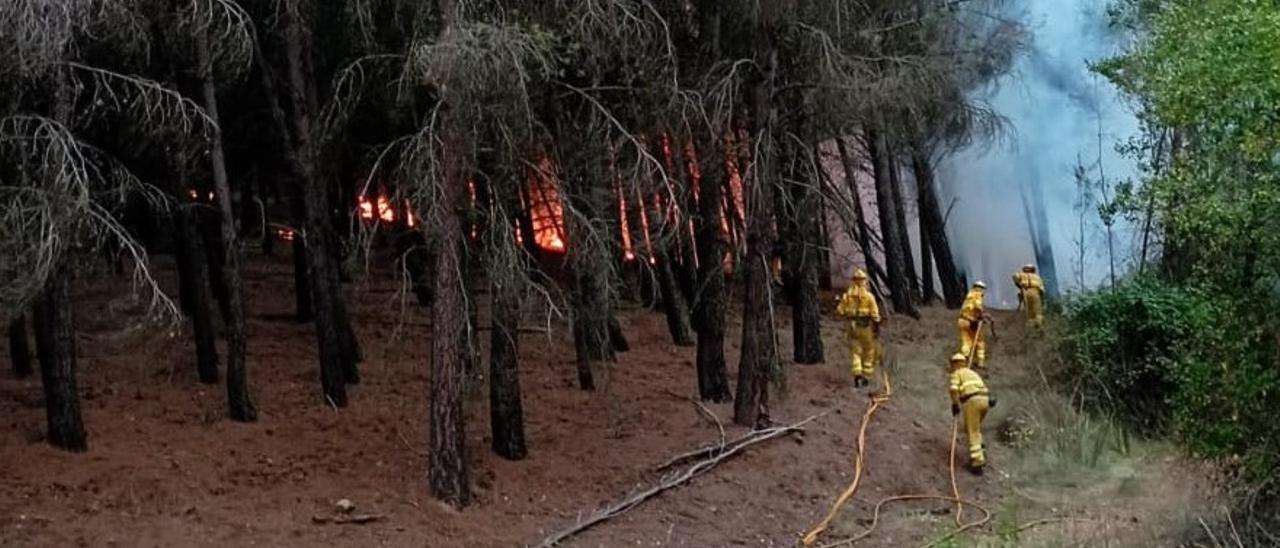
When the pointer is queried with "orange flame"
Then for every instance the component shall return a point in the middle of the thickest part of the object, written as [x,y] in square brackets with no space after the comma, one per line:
[545,208]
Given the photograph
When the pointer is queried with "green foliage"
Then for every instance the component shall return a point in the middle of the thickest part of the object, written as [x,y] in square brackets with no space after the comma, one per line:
[1126,341]
[1209,70]
[1168,358]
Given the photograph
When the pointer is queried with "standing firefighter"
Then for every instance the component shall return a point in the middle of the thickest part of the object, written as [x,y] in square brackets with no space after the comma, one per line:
[972,316]
[1031,295]
[859,305]
[970,396]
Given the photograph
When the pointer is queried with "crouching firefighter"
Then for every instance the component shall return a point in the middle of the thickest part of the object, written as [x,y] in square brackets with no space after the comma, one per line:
[859,305]
[969,395]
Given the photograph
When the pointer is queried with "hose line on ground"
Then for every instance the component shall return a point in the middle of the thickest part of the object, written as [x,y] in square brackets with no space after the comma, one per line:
[878,400]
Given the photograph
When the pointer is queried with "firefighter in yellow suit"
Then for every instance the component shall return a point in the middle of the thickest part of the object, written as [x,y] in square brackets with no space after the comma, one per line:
[969,395]
[972,315]
[859,305]
[1031,295]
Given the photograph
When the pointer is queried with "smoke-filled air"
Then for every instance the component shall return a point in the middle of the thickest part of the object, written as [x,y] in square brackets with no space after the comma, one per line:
[1064,125]
[662,273]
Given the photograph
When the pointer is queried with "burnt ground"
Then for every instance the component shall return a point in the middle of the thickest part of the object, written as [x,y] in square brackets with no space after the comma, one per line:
[165,468]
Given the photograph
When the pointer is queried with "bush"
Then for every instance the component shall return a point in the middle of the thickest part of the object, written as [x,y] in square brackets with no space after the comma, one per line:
[1126,344]
[1169,359]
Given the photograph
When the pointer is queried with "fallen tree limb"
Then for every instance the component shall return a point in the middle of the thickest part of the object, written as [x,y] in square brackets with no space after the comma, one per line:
[357,519]
[674,480]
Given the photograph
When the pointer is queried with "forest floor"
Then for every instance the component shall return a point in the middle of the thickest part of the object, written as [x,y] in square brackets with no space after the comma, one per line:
[165,468]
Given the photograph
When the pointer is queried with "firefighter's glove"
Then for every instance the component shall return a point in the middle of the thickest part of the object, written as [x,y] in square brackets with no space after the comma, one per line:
[955,409]
[991,402]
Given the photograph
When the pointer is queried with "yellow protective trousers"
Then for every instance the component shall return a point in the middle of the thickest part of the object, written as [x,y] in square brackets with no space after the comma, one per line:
[967,336]
[974,410]
[863,350]
[1033,302]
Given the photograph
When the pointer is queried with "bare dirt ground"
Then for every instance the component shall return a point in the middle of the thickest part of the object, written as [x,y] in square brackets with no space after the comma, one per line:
[166,469]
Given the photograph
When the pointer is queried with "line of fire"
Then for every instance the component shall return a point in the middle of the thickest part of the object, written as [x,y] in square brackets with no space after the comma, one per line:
[541,199]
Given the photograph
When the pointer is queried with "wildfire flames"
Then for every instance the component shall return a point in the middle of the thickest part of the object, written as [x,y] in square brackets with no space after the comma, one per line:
[543,203]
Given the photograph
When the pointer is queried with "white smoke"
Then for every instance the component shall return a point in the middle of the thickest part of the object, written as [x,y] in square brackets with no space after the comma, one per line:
[1061,116]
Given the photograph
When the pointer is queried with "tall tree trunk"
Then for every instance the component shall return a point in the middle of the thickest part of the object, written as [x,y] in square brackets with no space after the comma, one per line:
[928,292]
[933,223]
[899,285]
[303,309]
[863,230]
[673,302]
[193,275]
[448,465]
[900,213]
[589,255]
[506,413]
[239,403]
[711,299]
[326,292]
[19,349]
[806,317]
[759,357]
[56,345]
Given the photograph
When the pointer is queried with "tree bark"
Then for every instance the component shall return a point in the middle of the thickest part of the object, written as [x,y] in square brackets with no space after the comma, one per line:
[899,212]
[303,309]
[759,357]
[448,462]
[239,403]
[806,317]
[56,345]
[506,413]
[710,299]
[674,305]
[19,348]
[863,230]
[193,277]
[326,290]
[932,223]
[928,292]
[890,234]
[590,258]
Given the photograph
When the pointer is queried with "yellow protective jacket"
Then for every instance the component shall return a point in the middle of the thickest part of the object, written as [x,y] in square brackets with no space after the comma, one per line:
[972,309]
[1028,280]
[858,303]
[965,383]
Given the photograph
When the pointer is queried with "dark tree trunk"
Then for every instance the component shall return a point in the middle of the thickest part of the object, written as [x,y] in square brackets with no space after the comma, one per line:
[56,345]
[863,230]
[589,255]
[933,223]
[928,291]
[303,309]
[673,301]
[824,235]
[326,291]
[193,278]
[208,224]
[900,213]
[19,349]
[806,317]
[710,301]
[239,404]
[899,284]
[759,358]
[506,413]
[448,464]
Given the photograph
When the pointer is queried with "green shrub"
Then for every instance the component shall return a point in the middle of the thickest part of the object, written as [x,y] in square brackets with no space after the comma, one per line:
[1126,342]
[1169,359]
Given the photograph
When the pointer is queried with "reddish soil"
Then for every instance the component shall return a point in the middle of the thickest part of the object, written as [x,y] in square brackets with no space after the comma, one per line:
[165,468]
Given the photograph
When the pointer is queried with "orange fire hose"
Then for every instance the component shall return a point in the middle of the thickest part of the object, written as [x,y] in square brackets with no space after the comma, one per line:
[877,400]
